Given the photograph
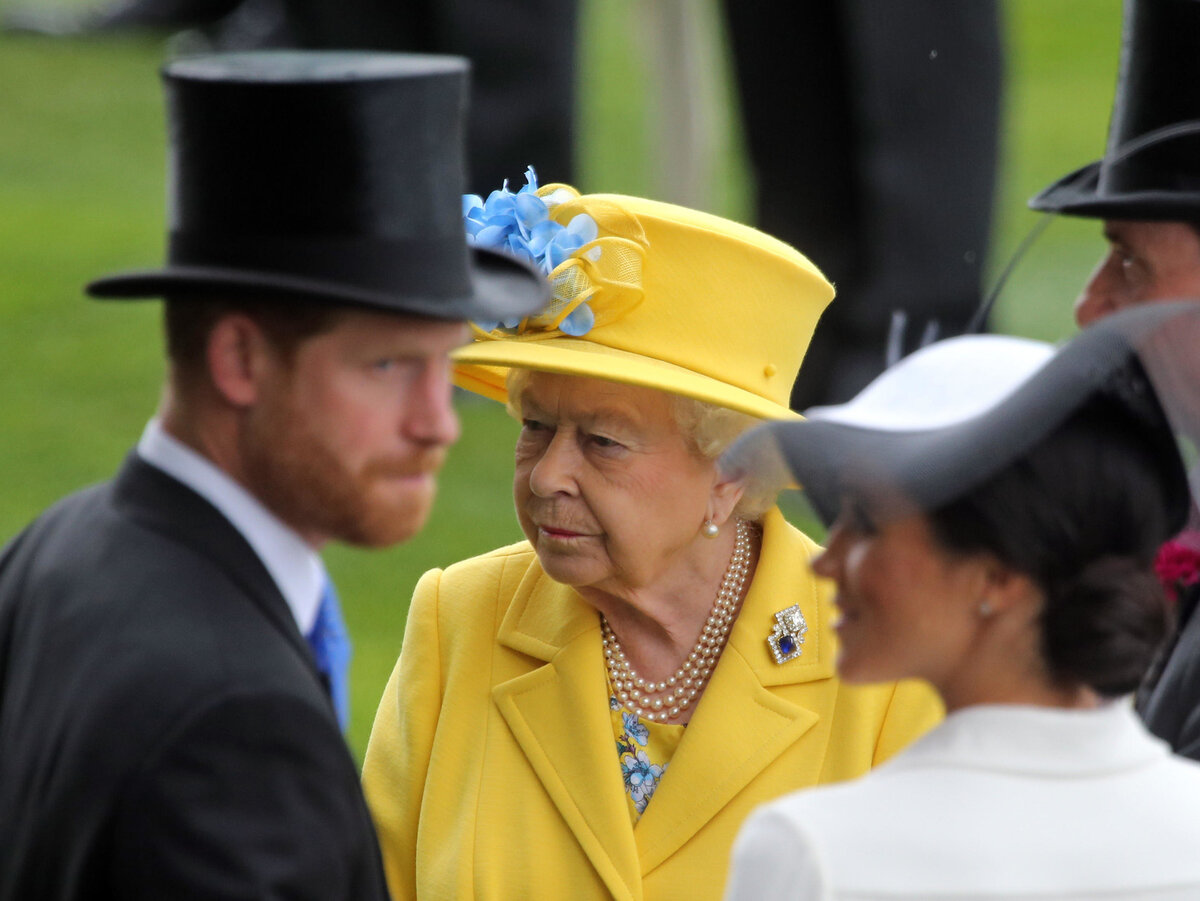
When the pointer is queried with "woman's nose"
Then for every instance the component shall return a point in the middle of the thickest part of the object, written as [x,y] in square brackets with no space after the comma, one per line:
[827,563]
[554,472]
[822,565]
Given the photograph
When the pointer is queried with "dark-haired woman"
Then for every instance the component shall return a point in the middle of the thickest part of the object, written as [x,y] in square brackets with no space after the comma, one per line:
[996,508]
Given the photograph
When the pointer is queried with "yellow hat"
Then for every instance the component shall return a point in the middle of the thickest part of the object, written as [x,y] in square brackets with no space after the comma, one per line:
[682,301]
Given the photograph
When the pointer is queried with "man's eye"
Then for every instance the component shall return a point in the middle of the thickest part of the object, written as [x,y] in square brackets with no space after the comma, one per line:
[1124,259]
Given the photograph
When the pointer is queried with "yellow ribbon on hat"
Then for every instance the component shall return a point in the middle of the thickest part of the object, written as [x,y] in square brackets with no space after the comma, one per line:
[605,273]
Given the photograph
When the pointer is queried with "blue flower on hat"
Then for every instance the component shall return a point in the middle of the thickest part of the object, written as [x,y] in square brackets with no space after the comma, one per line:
[520,224]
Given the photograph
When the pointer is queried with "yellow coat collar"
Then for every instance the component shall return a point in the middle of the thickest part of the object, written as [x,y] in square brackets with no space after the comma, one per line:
[551,623]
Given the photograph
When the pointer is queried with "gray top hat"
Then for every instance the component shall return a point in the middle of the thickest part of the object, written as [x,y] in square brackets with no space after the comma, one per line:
[327,176]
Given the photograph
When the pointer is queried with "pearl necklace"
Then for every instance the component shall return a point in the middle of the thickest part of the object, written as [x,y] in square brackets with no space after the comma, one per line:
[664,701]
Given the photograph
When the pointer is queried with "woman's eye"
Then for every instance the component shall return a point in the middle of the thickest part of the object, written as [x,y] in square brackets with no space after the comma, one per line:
[864,525]
[534,437]
[602,441]
[855,518]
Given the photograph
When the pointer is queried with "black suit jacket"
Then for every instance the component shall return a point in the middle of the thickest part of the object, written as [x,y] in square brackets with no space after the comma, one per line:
[1170,701]
[163,730]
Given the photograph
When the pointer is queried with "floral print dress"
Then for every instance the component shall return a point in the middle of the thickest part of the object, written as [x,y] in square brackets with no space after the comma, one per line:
[644,749]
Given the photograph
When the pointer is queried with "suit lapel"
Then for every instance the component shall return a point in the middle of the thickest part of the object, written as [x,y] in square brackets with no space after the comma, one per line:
[165,505]
[744,722]
[1159,697]
[558,715]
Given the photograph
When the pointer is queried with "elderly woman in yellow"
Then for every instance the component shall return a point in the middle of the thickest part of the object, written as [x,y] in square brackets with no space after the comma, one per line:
[592,713]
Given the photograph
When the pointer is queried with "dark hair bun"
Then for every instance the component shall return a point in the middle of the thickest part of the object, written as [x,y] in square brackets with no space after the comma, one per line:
[1103,627]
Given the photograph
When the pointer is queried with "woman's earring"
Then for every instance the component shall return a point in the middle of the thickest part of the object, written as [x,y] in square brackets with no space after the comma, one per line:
[985,608]
[710,529]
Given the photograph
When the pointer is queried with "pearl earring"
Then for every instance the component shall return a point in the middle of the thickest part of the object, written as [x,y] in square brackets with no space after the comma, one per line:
[985,608]
[710,529]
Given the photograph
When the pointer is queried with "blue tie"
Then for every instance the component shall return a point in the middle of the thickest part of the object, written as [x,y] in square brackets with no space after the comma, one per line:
[330,644]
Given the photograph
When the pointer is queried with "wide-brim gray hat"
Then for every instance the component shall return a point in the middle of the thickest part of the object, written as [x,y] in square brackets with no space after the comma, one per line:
[953,414]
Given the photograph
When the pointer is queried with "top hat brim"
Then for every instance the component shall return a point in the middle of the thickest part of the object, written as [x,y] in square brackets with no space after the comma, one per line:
[1079,194]
[500,286]
[911,443]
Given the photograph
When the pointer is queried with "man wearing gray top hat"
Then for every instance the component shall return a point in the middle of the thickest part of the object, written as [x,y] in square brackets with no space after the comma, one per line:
[172,656]
[1147,191]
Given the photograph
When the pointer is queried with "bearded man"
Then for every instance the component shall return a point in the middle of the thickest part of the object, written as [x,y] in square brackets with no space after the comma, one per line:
[172,656]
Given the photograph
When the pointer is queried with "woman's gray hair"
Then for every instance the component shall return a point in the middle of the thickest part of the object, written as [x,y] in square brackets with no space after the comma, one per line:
[707,428]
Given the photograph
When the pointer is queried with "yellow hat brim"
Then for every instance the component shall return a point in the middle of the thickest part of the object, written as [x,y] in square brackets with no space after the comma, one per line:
[482,367]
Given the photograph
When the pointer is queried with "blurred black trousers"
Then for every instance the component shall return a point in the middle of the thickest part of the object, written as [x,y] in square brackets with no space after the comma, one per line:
[523,78]
[522,54]
[872,130]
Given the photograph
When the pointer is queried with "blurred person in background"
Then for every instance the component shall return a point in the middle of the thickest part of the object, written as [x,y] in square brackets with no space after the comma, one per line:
[522,52]
[1147,191]
[592,712]
[995,508]
[173,661]
[871,129]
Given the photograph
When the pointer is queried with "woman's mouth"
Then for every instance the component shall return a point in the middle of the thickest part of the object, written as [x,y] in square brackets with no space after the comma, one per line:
[559,533]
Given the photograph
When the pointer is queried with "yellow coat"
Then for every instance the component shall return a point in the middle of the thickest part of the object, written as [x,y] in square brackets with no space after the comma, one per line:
[492,769]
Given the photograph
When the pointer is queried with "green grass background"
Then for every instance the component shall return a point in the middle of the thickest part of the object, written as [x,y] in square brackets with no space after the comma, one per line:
[82,191]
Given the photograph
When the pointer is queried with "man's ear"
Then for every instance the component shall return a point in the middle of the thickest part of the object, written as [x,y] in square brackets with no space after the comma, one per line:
[724,497]
[238,355]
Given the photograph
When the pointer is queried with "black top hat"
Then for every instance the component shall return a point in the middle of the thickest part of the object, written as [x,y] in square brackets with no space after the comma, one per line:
[331,176]
[957,412]
[1151,167]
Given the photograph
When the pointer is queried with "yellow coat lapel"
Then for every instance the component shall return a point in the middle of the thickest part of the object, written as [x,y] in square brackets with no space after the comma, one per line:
[744,723]
[753,710]
[558,715]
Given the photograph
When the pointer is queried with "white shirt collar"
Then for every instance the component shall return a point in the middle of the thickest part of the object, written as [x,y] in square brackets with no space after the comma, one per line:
[1018,738]
[292,563]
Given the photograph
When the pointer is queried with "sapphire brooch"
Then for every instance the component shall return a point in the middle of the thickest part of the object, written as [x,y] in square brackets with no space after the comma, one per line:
[787,636]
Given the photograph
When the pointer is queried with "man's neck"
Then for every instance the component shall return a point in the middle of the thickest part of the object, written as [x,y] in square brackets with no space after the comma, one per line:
[205,429]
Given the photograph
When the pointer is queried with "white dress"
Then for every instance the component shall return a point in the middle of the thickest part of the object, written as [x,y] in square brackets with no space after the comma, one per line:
[998,802]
